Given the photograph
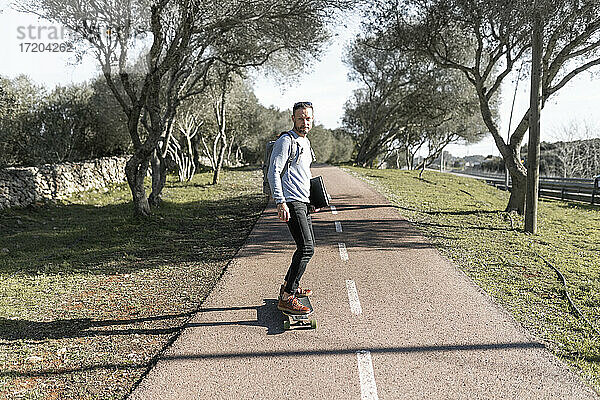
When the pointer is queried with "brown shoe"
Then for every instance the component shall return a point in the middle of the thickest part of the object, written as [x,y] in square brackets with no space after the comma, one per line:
[292,306]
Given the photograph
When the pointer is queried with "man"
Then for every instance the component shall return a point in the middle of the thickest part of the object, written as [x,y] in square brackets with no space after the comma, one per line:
[290,185]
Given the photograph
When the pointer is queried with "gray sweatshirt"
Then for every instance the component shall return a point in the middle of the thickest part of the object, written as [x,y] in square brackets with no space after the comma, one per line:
[294,184]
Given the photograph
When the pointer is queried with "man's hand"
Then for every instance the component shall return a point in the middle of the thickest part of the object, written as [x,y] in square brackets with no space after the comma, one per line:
[283,212]
[312,209]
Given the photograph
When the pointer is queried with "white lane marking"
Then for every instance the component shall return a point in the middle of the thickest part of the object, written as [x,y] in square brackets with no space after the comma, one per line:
[333,210]
[343,251]
[338,226]
[368,388]
[353,298]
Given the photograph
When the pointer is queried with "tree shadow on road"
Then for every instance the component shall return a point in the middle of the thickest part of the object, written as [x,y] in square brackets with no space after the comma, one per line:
[267,316]
[312,352]
[271,236]
[23,330]
[16,331]
[12,330]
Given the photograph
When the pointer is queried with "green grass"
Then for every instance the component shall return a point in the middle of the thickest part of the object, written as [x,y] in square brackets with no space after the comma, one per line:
[90,295]
[463,217]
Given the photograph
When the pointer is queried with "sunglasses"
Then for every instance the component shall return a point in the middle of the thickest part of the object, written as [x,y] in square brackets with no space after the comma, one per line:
[302,104]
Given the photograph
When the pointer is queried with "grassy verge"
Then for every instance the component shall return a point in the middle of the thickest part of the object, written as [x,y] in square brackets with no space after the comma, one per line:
[89,295]
[462,217]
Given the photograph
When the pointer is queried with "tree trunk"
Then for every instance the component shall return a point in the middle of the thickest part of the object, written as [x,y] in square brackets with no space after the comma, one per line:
[190,163]
[510,153]
[135,170]
[238,155]
[220,158]
[221,139]
[216,176]
[159,178]
[366,153]
[410,159]
[229,147]
[195,152]
[422,169]
[516,201]
[533,149]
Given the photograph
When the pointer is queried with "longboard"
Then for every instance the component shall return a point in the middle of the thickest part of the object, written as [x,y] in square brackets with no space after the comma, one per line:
[293,321]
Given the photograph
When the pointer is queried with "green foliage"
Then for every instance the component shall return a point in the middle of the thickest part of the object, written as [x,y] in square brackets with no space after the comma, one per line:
[492,164]
[246,121]
[322,142]
[17,121]
[485,40]
[85,121]
[110,135]
[406,103]
[331,146]
[344,147]
[249,126]
[181,42]
[462,217]
[569,159]
[270,122]
[70,123]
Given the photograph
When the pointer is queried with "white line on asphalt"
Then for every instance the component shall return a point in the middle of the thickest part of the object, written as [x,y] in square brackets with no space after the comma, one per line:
[368,388]
[333,210]
[353,298]
[338,226]
[343,251]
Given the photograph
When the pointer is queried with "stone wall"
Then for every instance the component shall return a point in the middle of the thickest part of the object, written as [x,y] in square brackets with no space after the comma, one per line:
[20,187]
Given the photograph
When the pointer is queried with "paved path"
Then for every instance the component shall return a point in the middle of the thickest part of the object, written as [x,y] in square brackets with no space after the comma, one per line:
[415,328]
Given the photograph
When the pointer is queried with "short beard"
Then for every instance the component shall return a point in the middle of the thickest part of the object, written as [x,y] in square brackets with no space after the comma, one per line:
[298,129]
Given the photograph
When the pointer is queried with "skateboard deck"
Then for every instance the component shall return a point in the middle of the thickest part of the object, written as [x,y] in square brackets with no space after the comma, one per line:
[305,321]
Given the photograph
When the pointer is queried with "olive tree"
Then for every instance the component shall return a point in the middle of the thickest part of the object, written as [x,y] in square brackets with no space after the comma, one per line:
[576,153]
[179,41]
[220,114]
[19,102]
[484,39]
[405,103]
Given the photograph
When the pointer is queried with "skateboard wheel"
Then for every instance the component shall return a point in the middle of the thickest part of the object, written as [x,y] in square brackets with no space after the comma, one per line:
[313,323]
[286,325]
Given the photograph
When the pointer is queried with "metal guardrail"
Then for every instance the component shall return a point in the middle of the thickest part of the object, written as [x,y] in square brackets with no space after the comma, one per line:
[575,189]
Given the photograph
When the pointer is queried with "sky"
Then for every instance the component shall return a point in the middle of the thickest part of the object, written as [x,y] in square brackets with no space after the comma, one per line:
[326,84]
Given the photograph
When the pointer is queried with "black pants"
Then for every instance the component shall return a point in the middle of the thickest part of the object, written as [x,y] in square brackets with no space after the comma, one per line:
[300,225]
